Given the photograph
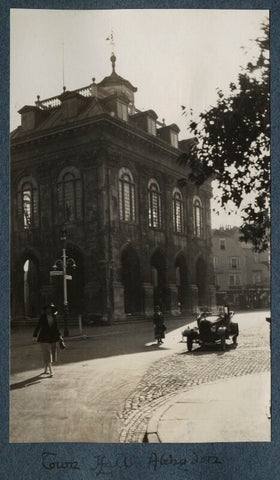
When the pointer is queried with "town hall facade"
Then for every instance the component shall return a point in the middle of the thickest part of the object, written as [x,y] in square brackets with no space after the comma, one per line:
[89,163]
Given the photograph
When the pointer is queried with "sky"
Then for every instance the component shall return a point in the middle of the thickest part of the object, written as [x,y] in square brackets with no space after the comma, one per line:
[174,57]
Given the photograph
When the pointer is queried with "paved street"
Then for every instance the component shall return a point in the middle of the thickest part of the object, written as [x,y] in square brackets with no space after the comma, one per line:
[107,387]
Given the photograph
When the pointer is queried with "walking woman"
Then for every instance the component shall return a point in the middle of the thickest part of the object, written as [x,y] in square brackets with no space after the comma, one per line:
[47,334]
[159,325]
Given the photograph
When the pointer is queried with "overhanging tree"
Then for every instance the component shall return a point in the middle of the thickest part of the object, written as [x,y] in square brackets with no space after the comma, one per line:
[233,146]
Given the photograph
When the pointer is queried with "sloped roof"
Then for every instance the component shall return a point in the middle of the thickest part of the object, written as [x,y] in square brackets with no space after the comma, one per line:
[115,79]
[91,108]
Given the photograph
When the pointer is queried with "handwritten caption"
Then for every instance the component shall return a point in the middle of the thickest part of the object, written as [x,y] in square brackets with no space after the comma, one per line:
[104,465]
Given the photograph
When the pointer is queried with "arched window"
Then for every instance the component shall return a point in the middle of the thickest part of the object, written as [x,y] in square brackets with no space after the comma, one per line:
[126,196]
[197,217]
[70,195]
[178,211]
[154,199]
[28,203]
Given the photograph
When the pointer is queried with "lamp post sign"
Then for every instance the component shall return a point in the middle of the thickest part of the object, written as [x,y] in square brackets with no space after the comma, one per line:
[62,264]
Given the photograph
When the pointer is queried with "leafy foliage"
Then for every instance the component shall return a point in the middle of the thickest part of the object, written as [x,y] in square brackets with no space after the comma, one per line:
[233,145]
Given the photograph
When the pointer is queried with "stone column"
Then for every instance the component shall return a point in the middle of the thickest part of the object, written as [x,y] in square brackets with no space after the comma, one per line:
[194,297]
[173,297]
[212,295]
[118,299]
[148,294]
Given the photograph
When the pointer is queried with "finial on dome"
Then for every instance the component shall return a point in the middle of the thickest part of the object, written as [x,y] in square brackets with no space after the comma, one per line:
[113,60]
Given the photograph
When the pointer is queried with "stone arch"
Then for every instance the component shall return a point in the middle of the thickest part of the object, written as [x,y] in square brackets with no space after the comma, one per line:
[201,280]
[159,281]
[182,281]
[131,280]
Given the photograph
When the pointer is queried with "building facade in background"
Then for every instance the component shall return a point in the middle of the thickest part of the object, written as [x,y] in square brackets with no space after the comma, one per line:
[90,163]
[242,277]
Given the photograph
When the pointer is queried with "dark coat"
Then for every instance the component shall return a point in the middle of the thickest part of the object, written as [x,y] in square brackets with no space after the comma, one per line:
[159,325]
[46,333]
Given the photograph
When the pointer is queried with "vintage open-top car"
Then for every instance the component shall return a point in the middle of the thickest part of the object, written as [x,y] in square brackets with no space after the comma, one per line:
[213,326]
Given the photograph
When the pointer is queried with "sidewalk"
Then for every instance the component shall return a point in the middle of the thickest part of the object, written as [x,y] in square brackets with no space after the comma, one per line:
[230,410]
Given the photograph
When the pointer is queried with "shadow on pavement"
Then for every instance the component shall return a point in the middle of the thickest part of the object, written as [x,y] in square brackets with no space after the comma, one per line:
[27,383]
[99,342]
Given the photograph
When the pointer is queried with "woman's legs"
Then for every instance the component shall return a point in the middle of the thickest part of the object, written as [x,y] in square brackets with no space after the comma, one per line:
[53,348]
[47,355]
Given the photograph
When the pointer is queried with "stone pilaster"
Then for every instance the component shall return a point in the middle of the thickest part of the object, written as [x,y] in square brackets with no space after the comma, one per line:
[212,295]
[194,297]
[118,296]
[148,299]
[173,298]
[46,293]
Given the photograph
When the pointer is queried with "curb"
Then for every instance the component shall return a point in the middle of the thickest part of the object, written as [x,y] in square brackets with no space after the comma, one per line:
[152,428]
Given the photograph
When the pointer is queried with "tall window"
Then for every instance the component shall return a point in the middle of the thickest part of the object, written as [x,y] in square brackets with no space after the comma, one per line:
[28,200]
[70,195]
[154,199]
[257,278]
[126,196]
[234,262]
[152,126]
[174,139]
[234,280]
[197,217]
[122,111]
[178,211]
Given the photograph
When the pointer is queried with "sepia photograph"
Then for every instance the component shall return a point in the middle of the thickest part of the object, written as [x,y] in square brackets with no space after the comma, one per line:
[139,227]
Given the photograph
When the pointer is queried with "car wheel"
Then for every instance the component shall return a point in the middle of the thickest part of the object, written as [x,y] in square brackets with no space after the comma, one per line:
[223,343]
[234,339]
[189,344]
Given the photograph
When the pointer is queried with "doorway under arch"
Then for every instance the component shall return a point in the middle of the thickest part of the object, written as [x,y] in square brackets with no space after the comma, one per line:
[158,264]
[130,276]
[31,287]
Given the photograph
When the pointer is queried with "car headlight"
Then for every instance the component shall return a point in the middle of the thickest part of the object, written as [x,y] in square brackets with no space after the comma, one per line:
[213,328]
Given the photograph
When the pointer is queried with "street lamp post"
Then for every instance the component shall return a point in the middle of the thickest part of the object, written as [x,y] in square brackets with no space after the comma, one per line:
[60,268]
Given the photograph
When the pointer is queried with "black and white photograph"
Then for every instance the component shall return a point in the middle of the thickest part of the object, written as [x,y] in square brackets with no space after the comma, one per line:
[140,306]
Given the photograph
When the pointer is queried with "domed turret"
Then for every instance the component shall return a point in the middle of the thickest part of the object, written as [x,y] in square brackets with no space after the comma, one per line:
[115,84]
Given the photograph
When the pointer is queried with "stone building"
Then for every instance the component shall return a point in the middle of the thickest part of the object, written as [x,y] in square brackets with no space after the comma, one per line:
[90,163]
[242,277]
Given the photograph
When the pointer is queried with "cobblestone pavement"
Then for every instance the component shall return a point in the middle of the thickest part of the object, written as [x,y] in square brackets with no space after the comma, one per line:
[183,370]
